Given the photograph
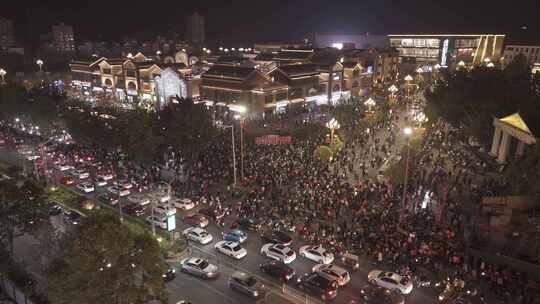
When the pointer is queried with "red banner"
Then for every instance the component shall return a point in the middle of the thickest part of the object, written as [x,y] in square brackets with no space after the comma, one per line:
[273,140]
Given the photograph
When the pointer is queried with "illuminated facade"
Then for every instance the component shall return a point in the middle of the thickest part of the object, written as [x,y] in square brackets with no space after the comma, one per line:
[447,50]
[531,52]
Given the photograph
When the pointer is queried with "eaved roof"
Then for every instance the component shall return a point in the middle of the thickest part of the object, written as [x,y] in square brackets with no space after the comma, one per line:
[228,71]
[299,69]
[516,121]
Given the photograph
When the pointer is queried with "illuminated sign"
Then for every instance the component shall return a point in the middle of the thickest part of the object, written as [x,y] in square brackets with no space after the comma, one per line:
[171,222]
[338,46]
[444,52]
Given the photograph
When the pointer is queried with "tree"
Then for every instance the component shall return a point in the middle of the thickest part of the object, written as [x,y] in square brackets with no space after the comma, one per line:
[106,263]
[23,209]
[139,136]
[524,174]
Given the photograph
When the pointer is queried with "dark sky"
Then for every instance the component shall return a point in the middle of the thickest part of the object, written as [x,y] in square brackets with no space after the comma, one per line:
[277,20]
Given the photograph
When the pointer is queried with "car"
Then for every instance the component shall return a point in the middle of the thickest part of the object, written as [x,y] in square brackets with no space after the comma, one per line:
[246,284]
[248,224]
[55,209]
[277,237]
[333,272]
[183,203]
[108,198]
[235,235]
[81,174]
[170,273]
[198,235]
[124,183]
[100,182]
[67,180]
[391,281]
[106,176]
[232,249]
[118,191]
[278,252]
[164,209]
[161,195]
[64,167]
[213,214]
[371,294]
[86,187]
[32,157]
[72,217]
[134,209]
[199,267]
[139,199]
[198,220]
[318,285]
[316,254]
[278,270]
[159,221]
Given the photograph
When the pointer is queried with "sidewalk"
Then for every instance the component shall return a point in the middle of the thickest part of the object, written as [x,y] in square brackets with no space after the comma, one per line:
[275,298]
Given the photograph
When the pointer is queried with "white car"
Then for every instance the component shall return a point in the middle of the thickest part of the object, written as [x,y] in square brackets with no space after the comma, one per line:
[198,235]
[100,182]
[124,184]
[278,252]
[118,191]
[199,267]
[317,254]
[106,176]
[86,187]
[183,203]
[333,272]
[391,281]
[32,157]
[64,167]
[165,210]
[162,196]
[139,199]
[159,221]
[81,174]
[232,249]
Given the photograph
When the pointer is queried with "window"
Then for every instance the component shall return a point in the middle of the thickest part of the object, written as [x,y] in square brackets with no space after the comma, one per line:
[268,99]
[130,73]
[107,71]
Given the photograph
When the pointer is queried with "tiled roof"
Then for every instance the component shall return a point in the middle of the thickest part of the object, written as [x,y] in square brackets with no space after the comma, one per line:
[229,71]
[299,69]
[294,55]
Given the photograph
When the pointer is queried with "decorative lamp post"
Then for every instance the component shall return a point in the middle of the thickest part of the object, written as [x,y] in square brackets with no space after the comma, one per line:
[393,90]
[408,79]
[333,125]
[2,75]
[39,62]
[370,103]
[408,132]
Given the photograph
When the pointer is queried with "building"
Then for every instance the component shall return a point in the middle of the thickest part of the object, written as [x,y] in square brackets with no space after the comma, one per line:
[447,50]
[350,41]
[195,29]
[63,38]
[531,52]
[274,48]
[231,88]
[512,135]
[7,35]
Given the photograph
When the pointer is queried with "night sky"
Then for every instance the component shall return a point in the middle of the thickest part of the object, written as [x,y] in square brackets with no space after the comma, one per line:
[279,20]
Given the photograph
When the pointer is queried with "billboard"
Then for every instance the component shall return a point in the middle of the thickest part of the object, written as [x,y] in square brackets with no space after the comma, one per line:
[171,222]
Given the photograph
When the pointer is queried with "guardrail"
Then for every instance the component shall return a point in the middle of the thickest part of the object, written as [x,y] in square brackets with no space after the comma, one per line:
[292,293]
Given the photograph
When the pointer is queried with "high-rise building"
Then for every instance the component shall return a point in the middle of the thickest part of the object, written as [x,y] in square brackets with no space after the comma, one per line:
[195,29]
[63,38]
[7,36]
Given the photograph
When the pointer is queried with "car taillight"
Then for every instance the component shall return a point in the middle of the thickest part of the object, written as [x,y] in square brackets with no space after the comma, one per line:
[329,291]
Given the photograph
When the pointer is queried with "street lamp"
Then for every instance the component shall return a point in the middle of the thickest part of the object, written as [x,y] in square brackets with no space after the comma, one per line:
[408,132]
[408,79]
[233,151]
[39,62]
[393,90]
[333,125]
[370,103]
[2,75]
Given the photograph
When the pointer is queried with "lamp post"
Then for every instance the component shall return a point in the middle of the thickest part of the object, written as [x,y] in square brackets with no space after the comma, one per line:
[408,79]
[393,90]
[333,125]
[2,75]
[408,132]
[39,62]
[437,67]
[233,152]
[370,103]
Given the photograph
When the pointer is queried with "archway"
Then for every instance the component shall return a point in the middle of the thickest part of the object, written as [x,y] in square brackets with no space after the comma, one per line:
[132,86]
[108,82]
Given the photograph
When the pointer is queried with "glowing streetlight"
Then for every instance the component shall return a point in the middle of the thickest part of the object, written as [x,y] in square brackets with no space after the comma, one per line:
[408,132]
[17,119]
[226,50]
[393,90]
[3,74]
[158,52]
[221,48]
[487,60]
[419,71]
[208,52]
[333,125]
[490,65]
[39,62]
[370,103]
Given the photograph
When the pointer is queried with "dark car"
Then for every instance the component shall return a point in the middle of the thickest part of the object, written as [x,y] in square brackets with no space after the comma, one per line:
[371,294]
[319,286]
[107,198]
[276,237]
[197,220]
[170,273]
[55,209]
[213,214]
[134,209]
[278,270]
[72,217]
[248,224]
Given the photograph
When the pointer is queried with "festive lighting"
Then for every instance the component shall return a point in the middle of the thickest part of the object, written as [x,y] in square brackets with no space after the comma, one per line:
[407,131]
